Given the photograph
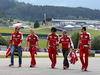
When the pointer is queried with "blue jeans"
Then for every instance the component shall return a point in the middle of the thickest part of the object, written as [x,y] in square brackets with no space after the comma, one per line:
[19,54]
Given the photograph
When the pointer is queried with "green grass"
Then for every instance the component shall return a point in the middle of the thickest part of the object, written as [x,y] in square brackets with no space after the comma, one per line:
[92,32]
[42,43]
[5,30]
[46,30]
[42,30]
[9,30]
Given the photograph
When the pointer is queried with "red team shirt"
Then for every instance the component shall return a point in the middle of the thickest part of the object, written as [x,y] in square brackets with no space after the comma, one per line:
[53,39]
[66,41]
[16,38]
[32,40]
[85,38]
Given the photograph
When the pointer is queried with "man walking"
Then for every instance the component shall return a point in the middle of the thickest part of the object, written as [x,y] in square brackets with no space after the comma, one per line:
[66,42]
[52,39]
[85,47]
[32,39]
[17,39]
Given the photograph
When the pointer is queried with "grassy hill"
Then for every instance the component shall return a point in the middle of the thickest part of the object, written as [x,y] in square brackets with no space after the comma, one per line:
[46,30]
[43,30]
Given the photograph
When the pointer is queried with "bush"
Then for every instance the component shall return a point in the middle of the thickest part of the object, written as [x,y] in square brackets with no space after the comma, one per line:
[36,24]
[75,39]
[95,43]
[3,41]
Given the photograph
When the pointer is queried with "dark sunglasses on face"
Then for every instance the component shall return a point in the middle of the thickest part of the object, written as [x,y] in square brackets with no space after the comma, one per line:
[17,29]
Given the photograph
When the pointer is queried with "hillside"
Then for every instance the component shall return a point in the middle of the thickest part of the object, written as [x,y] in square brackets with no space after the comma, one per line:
[27,12]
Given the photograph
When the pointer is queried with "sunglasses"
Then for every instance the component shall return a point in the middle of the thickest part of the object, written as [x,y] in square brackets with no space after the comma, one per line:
[17,29]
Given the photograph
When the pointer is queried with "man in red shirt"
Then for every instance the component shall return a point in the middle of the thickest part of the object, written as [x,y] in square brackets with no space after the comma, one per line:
[52,39]
[33,42]
[85,47]
[17,39]
[66,42]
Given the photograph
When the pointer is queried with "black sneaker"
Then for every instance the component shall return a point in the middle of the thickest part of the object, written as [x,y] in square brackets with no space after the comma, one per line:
[52,67]
[65,67]
[85,70]
[31,66]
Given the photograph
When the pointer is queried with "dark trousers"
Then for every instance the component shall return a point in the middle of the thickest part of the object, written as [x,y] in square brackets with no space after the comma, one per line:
[19,54]
[65,54]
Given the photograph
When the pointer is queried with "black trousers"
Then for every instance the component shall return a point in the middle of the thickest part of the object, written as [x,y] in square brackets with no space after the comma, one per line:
[65,54]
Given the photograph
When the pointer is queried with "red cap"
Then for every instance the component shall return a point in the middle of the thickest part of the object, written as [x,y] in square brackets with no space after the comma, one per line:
[17,27]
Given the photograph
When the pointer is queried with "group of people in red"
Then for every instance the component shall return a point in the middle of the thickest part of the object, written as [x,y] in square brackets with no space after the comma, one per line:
[53,41]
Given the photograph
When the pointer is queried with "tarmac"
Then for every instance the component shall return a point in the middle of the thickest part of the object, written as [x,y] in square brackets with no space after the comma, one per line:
[43,67]
[39,53]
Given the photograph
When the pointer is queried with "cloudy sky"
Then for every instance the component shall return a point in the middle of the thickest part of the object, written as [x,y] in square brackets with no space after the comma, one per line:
[93,4]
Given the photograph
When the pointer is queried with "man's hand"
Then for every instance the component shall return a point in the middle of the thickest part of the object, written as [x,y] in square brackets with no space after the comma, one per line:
[46,48]
[9,46]
[25,49]
[39,49]
[53,44]
[89,50]
[78,50]
[19,45]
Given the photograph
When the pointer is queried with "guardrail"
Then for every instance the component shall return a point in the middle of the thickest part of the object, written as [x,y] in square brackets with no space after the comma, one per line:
[4,48]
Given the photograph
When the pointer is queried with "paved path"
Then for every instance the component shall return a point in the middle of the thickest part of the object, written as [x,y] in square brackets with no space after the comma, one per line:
[39,53]
[43,67]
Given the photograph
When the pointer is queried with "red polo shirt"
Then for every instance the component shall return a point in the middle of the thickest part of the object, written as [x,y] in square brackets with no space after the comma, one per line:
[53,39]
[66,41]
[32,40]
[85,38]
[16,38]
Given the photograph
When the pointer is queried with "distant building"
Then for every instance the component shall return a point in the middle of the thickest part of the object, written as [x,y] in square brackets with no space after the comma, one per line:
[21,25]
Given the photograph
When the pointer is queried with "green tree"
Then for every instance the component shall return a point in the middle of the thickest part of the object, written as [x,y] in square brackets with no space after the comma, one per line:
[75,38]
[3,41]
[36,24]
[95,45]
[28,12]
[80,18]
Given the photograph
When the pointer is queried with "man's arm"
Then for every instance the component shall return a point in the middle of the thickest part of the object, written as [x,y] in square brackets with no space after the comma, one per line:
[57,45]
[21,40]
[11,40]
[26,46]
[72,45]
[90,46]
[89,43]
[78,44]
[47,44]
[38,46]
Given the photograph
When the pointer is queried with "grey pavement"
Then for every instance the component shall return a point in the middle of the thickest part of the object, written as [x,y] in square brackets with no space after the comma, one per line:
[43,67]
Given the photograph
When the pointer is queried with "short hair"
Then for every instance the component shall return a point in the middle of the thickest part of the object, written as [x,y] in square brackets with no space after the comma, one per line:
[65,31]
[54,29]
[31,29]
[84,28]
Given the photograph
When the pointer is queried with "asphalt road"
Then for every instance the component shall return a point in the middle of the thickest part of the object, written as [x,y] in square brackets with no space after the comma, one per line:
[43,67]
